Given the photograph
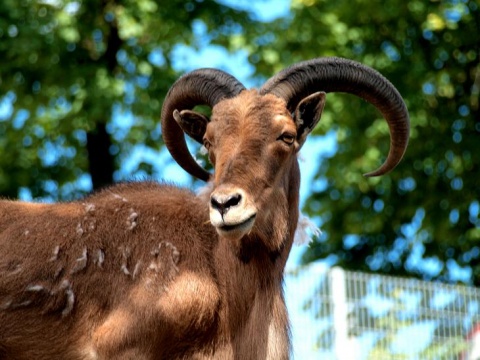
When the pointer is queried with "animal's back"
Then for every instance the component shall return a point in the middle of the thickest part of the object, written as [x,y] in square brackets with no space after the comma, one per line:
[100,272]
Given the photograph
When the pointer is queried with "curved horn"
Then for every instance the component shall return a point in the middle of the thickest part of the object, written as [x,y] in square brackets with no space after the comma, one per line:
[199,87]
[342,75]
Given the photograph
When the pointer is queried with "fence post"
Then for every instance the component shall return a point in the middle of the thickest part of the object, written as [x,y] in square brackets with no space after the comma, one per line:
[340,313]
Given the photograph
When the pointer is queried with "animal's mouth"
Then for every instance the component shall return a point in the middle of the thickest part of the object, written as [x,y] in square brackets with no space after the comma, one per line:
[242,226]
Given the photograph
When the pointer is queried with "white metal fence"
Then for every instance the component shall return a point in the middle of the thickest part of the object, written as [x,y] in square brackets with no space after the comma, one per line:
[356,316]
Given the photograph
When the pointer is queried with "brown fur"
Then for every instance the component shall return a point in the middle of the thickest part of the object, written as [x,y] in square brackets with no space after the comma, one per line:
[137,271]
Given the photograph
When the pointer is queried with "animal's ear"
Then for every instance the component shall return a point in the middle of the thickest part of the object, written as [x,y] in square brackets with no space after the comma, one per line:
[307,114]
[192,123]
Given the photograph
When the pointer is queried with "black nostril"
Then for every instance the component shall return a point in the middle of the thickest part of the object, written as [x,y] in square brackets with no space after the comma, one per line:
[223,203]
[215,204]
[233,200]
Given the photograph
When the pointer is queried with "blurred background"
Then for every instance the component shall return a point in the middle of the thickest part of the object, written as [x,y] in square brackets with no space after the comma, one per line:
[81,88]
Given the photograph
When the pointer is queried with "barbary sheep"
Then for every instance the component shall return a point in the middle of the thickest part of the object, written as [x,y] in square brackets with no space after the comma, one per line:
[151,271]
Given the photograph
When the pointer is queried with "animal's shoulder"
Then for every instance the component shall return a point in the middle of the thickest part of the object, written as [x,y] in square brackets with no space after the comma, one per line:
[149,202]
[143,189]
[146,194]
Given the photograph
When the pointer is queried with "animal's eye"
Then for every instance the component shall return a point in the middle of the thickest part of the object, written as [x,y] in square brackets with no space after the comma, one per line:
[287,138]
[206,143]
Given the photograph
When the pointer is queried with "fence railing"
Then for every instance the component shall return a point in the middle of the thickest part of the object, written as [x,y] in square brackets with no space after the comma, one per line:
[345,315]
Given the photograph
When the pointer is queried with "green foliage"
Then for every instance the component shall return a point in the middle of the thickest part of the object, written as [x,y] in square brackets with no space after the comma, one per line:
[429,206]
[67,66]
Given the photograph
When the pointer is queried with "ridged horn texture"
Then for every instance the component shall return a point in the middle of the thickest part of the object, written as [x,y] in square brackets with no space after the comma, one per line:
[199,87]
[342,75]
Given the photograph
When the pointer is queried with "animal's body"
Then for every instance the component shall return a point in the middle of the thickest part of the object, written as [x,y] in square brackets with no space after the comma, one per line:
[151,271]
[139,294]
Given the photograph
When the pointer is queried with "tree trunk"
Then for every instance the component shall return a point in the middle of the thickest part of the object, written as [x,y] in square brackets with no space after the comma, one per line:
[100,161]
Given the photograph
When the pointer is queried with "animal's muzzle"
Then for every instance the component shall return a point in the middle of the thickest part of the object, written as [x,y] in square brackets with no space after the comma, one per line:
[231,211]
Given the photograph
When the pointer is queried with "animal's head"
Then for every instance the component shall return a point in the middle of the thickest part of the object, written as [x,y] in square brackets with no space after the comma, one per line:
[253,136]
